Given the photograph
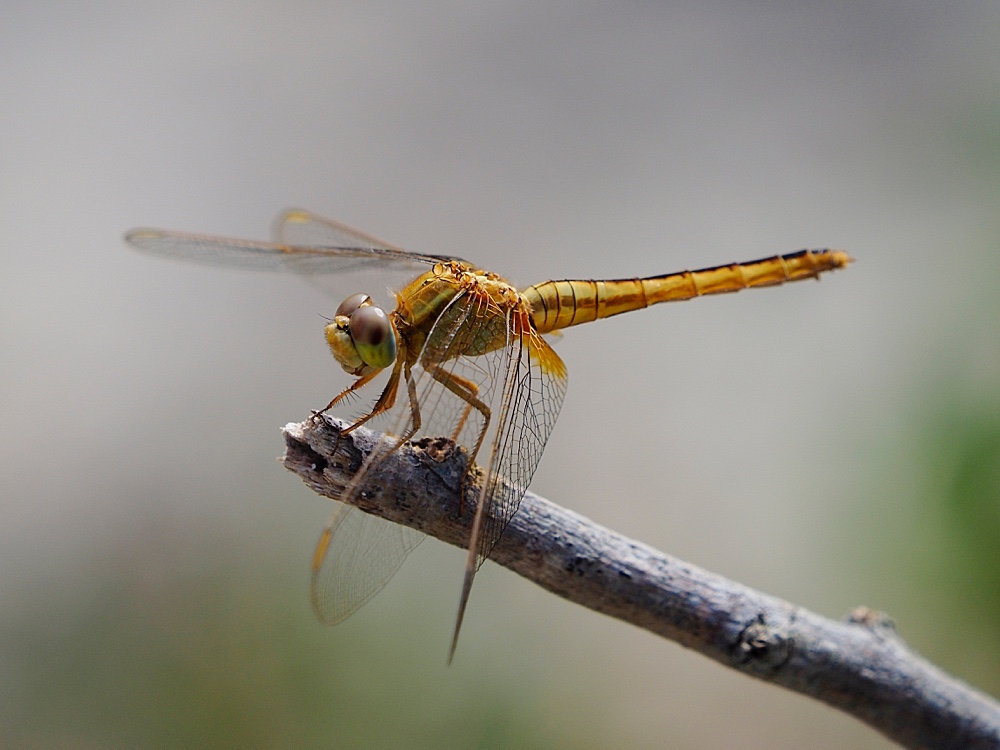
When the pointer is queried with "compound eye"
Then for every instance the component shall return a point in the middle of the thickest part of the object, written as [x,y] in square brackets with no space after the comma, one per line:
[372,334]
[352,303]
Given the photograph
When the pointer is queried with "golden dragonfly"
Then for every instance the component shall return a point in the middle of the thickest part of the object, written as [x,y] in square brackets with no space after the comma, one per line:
[465,359]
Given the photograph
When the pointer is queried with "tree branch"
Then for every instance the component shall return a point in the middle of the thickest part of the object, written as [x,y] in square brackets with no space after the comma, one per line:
[859,666]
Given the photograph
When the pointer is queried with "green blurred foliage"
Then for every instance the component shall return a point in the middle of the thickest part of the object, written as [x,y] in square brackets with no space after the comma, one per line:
[951,560]
[156,644]
[965,478]
[938,527]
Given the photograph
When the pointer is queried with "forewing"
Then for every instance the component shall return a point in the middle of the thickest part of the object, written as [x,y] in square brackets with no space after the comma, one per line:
[357,555]
[307,244]
[464,373]
[221,251]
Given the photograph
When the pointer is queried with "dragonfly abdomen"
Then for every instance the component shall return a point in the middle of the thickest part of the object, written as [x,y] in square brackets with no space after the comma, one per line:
[560,304]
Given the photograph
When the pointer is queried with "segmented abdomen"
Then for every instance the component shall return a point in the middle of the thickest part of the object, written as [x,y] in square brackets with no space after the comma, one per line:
[560,304]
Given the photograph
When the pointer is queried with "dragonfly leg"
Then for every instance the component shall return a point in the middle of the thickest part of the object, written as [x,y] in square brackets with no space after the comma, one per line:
[388,399]
[356,385]
[473,389]
[385,401]
[467,391]
[411,392]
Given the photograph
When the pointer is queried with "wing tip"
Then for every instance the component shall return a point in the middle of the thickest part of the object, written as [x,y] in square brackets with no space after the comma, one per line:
[296,215]
[290,215]
[138,236]
[470,574]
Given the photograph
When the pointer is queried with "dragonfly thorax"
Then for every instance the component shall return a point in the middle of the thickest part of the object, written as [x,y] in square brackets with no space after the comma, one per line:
[361,336]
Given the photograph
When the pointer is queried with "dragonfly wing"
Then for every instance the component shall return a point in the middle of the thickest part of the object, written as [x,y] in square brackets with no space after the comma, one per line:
[534,384]
[357,555]
[502,394]
[531,401]
[296,226]
[260,256]
[300,228]
[488,380]
[216,251]
[307,244]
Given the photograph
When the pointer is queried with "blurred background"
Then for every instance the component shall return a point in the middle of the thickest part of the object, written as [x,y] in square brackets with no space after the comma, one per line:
[835,444]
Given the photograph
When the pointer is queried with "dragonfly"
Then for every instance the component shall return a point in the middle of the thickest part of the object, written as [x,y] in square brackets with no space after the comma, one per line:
[466,359]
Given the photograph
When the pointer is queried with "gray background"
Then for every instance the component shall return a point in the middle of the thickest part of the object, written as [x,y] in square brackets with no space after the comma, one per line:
[153,555]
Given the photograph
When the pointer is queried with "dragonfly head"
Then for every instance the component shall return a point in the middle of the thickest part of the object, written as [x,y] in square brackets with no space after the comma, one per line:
[361,336]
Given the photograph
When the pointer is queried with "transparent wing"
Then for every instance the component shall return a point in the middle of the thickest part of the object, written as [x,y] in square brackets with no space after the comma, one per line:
[296,226]
[483,378]
[533,394]
[448,393]
[357,555]
[310,245]
[300,228]
[534,384]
